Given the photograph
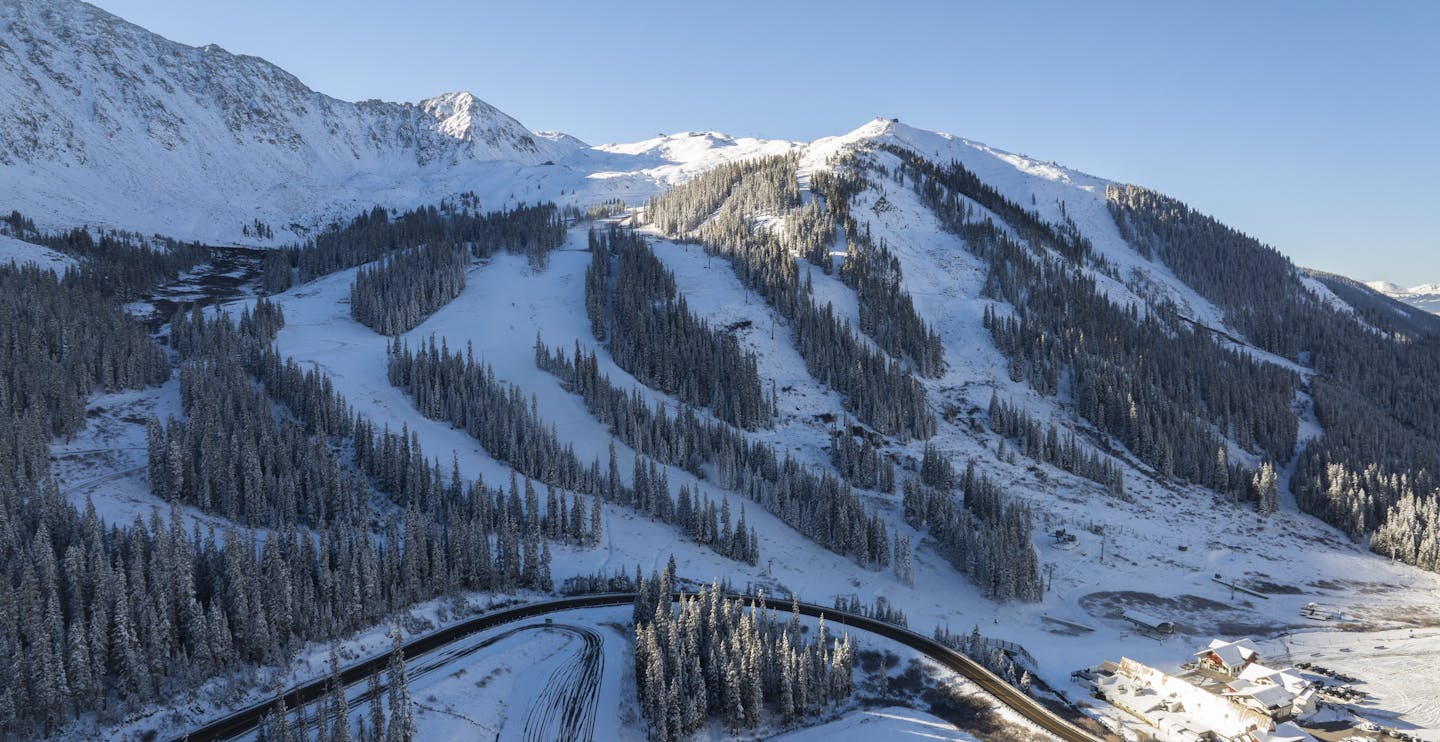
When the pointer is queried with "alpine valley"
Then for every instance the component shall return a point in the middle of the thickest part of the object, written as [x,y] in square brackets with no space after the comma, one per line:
[292,386]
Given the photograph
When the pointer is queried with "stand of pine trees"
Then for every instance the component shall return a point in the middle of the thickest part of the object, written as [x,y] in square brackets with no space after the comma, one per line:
[818,505]
[532,231]
[1376,386]
[104,619]
[60,340]
[880,610]
[401,291]
[887,313]
[1014,422]
[986,536]
[114,265]
[456,387]
[859,461]
[809,231]
[465,392]
[993,654]
[713,656]
[1160,385]
[719,208]
[631,299]
[391,717]
[952,190]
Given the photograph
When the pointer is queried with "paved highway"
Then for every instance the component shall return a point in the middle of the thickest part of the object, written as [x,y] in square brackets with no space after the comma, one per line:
[578,696]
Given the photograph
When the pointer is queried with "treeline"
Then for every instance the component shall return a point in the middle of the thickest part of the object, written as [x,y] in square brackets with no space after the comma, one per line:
[632,303]
[532,231]
[107,618]
[465,392]
[817,505]
[719,208]
[947,188]
[764,185]
[880,610]
[59,343]
[1035,441]
[390,718]
[995,655]
[985,536]
[398,293]
[887,313]
[1376,387]
[713,656]
[859,460]
[1163,388]
[1231,269]
[119,265]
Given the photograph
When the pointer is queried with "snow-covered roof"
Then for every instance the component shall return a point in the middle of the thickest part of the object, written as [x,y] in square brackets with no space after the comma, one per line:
[1170,701]
[1287,732]
[1260,674]
[1233,654]
[1142,617]
[1267,695]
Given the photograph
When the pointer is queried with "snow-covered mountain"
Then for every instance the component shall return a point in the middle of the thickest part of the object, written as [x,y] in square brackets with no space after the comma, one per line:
[107,124]
[1424,296]
[103,117]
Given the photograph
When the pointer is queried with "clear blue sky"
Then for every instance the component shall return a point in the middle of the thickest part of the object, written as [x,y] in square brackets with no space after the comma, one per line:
[1311,125]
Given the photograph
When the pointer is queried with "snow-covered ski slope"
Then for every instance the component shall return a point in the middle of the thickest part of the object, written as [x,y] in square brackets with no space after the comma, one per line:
[506,303]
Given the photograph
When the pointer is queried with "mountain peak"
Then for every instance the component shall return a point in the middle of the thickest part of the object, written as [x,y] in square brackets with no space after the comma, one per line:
[98,110]
[489,132]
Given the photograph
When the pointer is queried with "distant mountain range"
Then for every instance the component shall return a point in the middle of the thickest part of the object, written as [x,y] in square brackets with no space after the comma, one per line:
[1424,296]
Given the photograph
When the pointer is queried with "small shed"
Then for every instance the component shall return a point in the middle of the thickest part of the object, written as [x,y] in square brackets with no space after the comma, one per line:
[1148,622]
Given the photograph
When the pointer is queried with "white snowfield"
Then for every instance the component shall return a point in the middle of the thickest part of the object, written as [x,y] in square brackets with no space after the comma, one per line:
[20,252]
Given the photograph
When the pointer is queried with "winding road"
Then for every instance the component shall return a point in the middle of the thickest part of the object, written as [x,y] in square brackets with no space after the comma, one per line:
[566,709]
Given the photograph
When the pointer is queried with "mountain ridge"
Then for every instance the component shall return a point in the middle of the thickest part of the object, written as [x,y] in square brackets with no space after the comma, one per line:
[104,109]
[1424,296]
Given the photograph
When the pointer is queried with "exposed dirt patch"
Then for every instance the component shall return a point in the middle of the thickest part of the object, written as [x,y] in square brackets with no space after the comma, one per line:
[1273,588]
[1192,614]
